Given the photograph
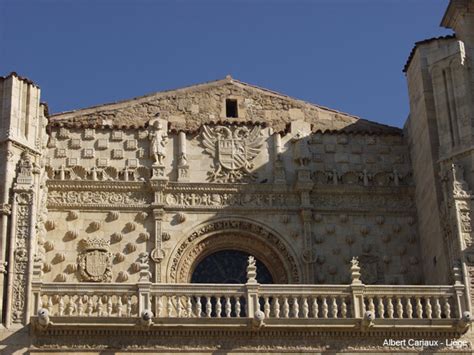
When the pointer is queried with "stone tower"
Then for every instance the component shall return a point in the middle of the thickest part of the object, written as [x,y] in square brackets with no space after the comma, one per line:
[22,134]
[440,136]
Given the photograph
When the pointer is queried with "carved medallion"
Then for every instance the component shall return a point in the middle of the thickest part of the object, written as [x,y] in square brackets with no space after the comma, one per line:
[233,150]
[95,263]
[370,269]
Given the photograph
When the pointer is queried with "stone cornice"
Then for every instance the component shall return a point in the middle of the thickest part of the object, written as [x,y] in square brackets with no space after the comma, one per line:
[96,185]
[241,327]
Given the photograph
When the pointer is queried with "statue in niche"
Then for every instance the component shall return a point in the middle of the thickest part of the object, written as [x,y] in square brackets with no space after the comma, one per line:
[157,143]
[26,166]
[301,152]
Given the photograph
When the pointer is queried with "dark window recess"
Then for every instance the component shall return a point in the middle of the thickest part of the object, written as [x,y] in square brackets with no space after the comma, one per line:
[231,108]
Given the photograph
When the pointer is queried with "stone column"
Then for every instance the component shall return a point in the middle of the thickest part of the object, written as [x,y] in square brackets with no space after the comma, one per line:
[22,232]
[279,176]
[157,254]
[183,167]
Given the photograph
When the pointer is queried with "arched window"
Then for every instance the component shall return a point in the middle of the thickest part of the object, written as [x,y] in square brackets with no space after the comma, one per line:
[228,267]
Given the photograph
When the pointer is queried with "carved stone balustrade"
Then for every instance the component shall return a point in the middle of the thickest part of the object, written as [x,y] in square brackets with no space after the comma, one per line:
[86,305]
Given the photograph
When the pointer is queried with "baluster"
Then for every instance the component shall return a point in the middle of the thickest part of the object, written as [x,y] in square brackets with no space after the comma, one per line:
[61,306]
[399,308]
[179,308]
[90,306]
[419,308]
[389,307]
[169,306]
[295,308]
[305,307]
[446,307]
[380,307]
[189,307]
[160,305]
[429,310]
[437,308]
[333,307]
[129,306]
[370,305]
[409,308]
[109,306]
[343,307]
[237,307]
[266,307]
[218,306]
[80,306]
[198,307]
[208,306]
[286,307]
[100,307]
[228,307]
[70,306]
[50,304]
[276,307]
[324,307]
[314,308]
[119,306]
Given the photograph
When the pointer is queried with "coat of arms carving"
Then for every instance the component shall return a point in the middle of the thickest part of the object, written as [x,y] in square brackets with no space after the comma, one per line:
[95,262]
[233,149]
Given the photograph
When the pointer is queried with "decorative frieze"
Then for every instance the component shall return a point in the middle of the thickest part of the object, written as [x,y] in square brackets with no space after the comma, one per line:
[363,202]
[97,198]
[204,199]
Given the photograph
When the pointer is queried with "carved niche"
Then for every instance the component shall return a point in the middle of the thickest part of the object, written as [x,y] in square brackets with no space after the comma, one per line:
[95,262]
[233,150]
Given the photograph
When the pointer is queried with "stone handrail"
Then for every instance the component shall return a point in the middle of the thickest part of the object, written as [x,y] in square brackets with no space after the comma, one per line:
[407,302]
[251,300]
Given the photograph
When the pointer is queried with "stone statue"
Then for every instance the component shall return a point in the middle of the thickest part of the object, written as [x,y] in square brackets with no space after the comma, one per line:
[157,143]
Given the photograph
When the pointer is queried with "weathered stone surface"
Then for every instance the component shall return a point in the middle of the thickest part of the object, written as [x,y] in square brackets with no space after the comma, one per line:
[108,213]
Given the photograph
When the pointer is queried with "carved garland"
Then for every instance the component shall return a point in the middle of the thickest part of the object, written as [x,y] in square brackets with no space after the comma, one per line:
[234,234]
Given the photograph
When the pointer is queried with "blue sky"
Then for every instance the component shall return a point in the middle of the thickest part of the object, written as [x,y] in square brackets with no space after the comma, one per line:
[343,54]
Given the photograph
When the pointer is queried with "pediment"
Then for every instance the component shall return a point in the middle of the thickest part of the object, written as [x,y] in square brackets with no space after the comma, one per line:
[187,109]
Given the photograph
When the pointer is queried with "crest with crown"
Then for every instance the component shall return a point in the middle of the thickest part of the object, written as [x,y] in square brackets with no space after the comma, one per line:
[96,243]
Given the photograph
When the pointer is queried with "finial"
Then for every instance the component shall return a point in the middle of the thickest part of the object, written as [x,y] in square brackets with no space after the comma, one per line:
[355,271]
[251,270]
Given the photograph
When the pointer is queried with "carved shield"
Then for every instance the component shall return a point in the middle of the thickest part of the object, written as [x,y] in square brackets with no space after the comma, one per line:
[369,269]
[96,263]
[231,153]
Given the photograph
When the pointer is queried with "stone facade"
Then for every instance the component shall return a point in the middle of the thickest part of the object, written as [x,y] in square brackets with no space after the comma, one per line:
[365,229]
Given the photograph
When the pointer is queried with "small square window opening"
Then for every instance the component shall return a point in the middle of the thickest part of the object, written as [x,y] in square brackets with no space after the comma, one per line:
[231,108]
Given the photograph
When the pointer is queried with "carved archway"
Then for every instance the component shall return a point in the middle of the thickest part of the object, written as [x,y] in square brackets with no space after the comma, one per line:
[234,234]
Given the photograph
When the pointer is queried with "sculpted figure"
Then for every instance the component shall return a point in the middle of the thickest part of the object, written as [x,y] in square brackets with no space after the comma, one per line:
[157,143]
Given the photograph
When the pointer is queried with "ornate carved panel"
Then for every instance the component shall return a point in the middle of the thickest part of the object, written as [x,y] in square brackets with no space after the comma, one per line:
[21,256]
[97,198]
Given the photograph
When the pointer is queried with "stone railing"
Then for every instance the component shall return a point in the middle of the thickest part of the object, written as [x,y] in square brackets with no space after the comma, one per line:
[253,304]
[232,301]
